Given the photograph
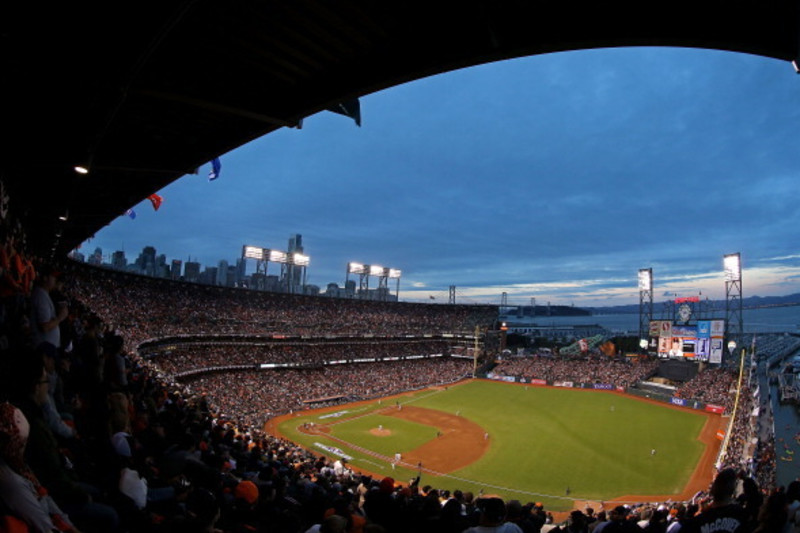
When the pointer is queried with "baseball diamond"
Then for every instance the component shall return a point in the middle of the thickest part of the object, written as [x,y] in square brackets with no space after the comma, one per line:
[540,440]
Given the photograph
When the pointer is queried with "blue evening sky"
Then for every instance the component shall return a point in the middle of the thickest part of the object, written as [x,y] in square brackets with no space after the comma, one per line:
[555,177]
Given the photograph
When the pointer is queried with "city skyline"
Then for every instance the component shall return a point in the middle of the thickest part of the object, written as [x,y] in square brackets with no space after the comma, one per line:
[244,272]
[209,274]
[555,177]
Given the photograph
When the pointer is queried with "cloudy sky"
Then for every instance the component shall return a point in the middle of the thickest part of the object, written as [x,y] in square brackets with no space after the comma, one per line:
[555,177]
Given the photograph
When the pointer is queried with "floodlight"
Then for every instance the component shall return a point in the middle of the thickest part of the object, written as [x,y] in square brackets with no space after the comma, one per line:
[253,252]
[643,343]
[356,268]
[375,270]
[394,273]
[80,169]
[731,346]
[276,256]
[733,267]
[645,279]
[796,65]
[301,260]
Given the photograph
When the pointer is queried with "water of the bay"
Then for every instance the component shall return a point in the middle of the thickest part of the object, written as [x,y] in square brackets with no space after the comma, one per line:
[764,320]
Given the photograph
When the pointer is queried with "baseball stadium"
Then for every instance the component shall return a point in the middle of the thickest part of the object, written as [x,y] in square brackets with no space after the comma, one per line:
[410,401]
[134,403]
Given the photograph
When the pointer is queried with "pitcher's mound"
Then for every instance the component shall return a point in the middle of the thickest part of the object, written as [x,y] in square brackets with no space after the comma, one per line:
[380,432]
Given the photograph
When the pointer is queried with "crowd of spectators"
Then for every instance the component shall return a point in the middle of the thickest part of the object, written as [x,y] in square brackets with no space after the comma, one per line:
[253,395]
[713,385]
[177,358]
[96,438]
[139,307]
[578,370]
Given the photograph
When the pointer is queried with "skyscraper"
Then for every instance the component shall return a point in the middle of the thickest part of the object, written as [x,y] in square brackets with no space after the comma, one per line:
[118,260]
[222,273]
[191,271]
[293,276]
[175,272]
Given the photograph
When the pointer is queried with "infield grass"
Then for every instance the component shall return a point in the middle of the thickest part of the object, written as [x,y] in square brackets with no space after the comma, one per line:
[544,442]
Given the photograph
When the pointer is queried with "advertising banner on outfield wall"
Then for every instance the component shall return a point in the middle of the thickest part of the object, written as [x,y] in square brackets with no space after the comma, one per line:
[678,401]
[603,386]
[538,382]
[715,409]
[562,384]
[498,377]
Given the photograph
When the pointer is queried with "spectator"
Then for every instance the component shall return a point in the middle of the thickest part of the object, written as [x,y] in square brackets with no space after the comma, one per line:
[46,315]
[20,490]
[491,517]
[723,514]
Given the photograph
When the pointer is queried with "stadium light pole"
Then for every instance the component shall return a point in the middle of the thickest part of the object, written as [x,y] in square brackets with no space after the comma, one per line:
[393,273]
[645,300]
[732,265]
[383,274]
[289,263]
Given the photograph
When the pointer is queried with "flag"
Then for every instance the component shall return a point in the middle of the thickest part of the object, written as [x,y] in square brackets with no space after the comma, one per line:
[155,200]
[216,167]
[432,297]
[350,108]
[131,213]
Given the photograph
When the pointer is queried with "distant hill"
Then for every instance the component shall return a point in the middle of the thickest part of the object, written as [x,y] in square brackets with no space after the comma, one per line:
[752,302]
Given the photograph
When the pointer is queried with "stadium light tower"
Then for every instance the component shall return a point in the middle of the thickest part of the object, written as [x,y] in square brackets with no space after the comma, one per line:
[645,301]
[394,273]
[732,265]
[382,273]
[363,277]
[259,254]
[289,263]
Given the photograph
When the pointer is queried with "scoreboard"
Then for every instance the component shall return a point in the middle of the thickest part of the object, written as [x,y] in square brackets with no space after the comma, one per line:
[700,341]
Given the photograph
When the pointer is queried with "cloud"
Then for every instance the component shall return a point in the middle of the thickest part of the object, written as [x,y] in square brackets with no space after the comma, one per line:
[553,177]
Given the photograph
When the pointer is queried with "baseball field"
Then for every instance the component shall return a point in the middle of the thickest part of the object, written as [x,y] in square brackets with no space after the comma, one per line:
[555,445]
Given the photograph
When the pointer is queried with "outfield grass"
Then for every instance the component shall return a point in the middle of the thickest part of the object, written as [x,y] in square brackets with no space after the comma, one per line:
[542,441]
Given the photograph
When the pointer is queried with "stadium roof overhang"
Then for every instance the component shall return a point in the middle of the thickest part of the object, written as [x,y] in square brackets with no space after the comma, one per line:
[143,93]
